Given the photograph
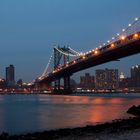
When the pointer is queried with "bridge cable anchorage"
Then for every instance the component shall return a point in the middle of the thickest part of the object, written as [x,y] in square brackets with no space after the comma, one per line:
[47,66]
[66,53]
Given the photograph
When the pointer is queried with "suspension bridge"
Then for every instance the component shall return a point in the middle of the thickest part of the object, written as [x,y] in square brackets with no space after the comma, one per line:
[123,44]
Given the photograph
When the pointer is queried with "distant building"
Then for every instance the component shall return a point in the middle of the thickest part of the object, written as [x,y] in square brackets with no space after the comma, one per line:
[10,76]
[107,79]
[2,83]
[135,76]
[122,76]
[125,83]
[19,83]
[87,81]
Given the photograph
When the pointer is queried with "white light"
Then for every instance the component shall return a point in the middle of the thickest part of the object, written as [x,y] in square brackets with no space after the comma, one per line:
[113,38]
[137,66]
[129,25]
[136,19]
[100,46]
[108,41]
[123,30]
[118,34]
[104,44]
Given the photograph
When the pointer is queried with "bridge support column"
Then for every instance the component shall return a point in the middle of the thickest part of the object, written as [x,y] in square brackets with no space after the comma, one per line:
[57,84]
[67,83]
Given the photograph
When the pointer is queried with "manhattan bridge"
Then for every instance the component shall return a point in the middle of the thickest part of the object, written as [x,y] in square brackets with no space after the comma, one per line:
[65,61]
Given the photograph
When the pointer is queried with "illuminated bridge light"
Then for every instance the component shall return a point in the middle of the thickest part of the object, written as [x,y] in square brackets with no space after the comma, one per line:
[96,52]
[112,45]
[136,35]
[136,19]
[83,57]
[118,34]
[74,61]
[129,25]
[123,30]
[100,46]
[123,37]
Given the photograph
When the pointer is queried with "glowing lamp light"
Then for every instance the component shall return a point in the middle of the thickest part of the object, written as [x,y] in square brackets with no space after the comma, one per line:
[136,35]
[74,61]
[123,37]
[96,52]
[83,57]
[129,25]
[136,19]
[112,45]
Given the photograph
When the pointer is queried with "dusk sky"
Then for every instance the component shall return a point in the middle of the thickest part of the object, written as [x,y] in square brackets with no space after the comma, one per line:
[30,28]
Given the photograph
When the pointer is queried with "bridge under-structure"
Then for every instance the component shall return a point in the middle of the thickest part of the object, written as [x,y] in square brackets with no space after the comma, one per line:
[123,46]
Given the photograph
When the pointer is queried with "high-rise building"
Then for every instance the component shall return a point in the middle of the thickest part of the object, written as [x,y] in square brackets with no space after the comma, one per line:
[87,81]
[10,75]
[107,79]
[135,76]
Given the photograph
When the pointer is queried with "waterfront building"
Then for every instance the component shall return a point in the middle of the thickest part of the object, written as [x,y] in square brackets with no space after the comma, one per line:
[122,76]
[87,81]
[10,75]
[2,84]
[125,83]
[135,76]
[107,79]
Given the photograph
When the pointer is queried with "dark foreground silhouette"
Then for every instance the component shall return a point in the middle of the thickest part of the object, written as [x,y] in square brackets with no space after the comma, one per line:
[134,110]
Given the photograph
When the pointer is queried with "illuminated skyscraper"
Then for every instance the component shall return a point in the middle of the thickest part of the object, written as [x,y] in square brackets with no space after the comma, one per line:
[107,79]
[10,75]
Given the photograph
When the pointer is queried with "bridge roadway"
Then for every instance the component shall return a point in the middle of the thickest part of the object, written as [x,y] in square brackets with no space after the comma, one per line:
[123,47]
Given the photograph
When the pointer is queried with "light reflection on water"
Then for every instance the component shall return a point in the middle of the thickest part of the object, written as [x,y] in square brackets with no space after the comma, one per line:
[31,113]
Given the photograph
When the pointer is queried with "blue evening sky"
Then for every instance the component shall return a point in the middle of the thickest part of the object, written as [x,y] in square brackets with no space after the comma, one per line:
[30,28]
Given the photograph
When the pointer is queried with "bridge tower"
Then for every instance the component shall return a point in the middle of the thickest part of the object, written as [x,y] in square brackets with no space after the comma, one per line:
[58,58]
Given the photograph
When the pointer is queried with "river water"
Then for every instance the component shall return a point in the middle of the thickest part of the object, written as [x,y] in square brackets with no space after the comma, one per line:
[30,113]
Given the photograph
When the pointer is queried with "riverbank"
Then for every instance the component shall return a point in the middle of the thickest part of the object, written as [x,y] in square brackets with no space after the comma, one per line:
[115,130]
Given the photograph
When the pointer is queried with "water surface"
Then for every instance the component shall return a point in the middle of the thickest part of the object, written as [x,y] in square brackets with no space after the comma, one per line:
[31,113]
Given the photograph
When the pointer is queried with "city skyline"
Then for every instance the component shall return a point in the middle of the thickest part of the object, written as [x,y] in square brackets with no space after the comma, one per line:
[30,29]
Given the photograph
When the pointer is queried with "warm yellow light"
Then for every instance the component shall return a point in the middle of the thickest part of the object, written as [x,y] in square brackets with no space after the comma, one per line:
[123,37]
[112,45]
[136,35]
[83,57]
[96,52]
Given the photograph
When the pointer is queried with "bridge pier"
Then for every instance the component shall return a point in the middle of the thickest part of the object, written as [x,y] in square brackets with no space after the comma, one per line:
[67,83]
[57,84]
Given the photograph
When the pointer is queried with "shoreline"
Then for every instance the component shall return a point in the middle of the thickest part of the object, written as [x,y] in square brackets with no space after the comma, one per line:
[115,128]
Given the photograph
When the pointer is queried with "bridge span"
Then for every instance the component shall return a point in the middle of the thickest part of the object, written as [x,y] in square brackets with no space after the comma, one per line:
[123,46]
